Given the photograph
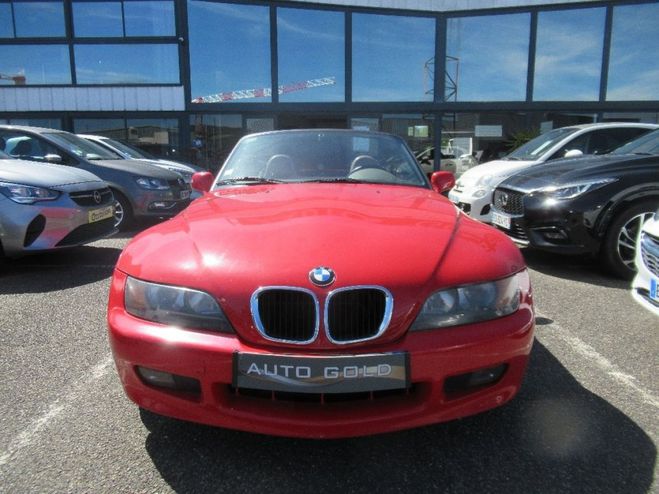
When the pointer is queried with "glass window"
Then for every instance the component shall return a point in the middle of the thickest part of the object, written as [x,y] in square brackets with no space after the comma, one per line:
[254,125]
[389,56]
[127,64]
[101,19]
[114,128]
[229,52]
[47,123]
[213,137]
[149,18]
[311,55]
[633,64]
[489,136]
[487,58]
[35,64]
[418,132]
[568,61]
[24,146]
[157,136]
[39,19]
[6,21]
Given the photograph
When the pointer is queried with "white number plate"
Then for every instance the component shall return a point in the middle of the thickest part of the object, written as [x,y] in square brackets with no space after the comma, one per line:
[501,220]
[101,214]
[185,194]
[453,197]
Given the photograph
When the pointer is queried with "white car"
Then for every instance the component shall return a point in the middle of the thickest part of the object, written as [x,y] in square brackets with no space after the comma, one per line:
[645,287]
[473,190]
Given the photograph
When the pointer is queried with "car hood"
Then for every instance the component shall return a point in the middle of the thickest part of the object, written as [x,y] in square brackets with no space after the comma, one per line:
[497,168]
[566,171]
[235,240]
[183,167]
[44,175]
[137,167]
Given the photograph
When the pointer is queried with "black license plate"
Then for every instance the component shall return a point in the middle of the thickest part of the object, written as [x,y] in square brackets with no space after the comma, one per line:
[339,374]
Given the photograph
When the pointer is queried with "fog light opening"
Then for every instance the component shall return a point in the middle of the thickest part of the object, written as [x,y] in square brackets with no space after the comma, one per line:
[160,379]
[554,234]
[474,380]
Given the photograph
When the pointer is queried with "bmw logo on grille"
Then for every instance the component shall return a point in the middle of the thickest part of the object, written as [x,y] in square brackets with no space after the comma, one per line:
[321,276]
[97,197]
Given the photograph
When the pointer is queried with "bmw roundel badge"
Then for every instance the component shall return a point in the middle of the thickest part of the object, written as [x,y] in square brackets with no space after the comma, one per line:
[321,276]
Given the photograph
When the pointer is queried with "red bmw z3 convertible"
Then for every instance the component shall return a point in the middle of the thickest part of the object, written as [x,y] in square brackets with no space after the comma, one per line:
[322,287]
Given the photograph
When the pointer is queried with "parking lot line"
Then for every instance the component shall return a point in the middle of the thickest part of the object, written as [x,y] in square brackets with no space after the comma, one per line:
[30,433]
[586,351]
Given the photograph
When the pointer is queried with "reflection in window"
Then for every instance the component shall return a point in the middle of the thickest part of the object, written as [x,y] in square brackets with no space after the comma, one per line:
[568,60]
[127,64]
[156,136]
[115,128]
[102,19]
[35,64]
[149,18]
[6,21]
[219,74]
[487,58]
[39,19]
[213,137]
[139,18]
[311,52]
[46,123]
[390,57]
[634,65]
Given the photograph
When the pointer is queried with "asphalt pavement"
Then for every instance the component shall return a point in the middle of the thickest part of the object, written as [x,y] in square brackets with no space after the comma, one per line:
[586,419]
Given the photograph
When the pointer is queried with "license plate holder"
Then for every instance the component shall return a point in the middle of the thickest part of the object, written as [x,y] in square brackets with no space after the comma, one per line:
[100,214]
[501,220]
[310,374]
[185,194]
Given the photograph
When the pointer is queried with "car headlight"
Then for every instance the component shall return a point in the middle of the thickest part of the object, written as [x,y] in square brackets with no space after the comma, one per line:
[470,303]
[480,193]
[176,306]
[27,194]
[485,181]
[152,183]
[570,191]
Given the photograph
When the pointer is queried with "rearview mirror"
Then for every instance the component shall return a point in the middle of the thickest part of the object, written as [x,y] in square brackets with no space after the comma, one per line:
[573,153]
[202,181]
[442,181]
[53,158]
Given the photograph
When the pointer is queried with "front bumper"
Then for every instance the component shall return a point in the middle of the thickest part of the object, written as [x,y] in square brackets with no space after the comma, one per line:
[48,225]
[160,204]
[208,358]
[562,227]
[645,287]
[477,207]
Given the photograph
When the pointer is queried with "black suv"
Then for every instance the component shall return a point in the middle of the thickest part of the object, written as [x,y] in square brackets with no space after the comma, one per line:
[593,205]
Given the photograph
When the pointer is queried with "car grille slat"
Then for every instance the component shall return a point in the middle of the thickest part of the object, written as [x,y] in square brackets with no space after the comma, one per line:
[286,315]
[508,201]
[86,198]
[291,314]
[355,314]
[650,252]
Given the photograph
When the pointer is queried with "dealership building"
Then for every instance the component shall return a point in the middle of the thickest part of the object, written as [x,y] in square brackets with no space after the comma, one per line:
[188,78]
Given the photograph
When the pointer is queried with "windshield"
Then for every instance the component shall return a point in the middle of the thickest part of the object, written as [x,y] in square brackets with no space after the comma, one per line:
[81,147]
[647,144]
[535,148]
[321,156]
[130,151]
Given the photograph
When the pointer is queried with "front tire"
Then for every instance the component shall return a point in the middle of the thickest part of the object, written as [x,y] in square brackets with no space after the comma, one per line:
[123,212]
[618,250]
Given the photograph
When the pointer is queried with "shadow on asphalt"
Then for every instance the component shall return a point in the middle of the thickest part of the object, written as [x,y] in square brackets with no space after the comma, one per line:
[584,269]
[555,436]
[57,270]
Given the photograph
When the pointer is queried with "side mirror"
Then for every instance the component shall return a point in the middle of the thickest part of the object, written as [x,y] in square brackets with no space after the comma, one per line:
[442,181]
[53,158]
[202,181]
[573,153]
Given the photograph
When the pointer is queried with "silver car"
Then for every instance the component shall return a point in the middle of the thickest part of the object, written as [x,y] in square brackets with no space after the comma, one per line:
[44,207]
[140,190]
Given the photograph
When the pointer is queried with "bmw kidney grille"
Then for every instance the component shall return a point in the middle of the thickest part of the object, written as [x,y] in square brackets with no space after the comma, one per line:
[292,315]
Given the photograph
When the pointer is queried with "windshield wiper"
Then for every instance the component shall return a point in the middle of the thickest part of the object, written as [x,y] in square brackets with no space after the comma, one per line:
[250,181]
[337,180]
